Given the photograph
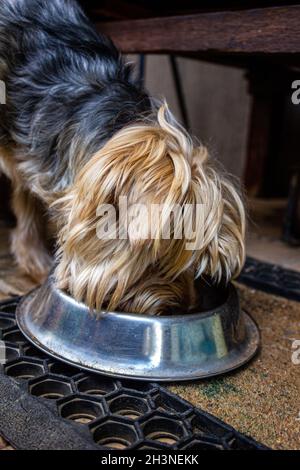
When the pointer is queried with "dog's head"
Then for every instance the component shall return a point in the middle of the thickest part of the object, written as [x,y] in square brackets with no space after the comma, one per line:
[146,215]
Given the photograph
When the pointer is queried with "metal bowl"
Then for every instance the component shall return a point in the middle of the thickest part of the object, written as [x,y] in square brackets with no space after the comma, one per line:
[166,348]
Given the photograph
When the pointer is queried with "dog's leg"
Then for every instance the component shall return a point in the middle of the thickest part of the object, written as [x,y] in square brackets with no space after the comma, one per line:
[27,240]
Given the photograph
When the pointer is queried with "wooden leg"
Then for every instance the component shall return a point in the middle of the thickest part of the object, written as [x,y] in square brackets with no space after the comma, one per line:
[268,86]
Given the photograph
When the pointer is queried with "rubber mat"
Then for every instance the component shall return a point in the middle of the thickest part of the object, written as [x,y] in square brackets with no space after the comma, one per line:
[271,278]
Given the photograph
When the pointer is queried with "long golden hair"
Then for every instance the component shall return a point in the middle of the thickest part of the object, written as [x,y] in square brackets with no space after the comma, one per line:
[150,163]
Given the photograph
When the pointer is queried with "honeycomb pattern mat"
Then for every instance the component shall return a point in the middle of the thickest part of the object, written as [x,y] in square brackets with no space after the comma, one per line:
[114,414]
[271,278]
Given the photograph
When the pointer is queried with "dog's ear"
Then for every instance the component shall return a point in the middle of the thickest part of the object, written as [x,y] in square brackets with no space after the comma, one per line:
[222,253]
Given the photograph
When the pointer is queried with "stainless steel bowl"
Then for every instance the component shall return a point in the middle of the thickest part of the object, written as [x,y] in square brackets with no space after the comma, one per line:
[166,348]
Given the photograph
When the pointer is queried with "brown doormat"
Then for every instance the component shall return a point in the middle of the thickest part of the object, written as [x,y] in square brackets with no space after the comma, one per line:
[262,399]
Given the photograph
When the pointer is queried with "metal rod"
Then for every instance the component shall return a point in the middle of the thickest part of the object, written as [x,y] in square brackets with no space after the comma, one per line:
[179,90]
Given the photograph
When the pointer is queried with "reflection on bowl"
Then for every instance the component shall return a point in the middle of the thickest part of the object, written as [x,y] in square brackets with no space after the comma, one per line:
[166,348]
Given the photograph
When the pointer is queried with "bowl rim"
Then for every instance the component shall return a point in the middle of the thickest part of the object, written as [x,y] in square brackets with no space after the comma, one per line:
[231,296]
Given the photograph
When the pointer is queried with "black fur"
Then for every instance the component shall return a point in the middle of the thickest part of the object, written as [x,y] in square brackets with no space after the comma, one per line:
[68,89]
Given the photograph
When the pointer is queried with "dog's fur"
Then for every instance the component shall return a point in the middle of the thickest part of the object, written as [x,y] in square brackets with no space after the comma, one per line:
[76,132]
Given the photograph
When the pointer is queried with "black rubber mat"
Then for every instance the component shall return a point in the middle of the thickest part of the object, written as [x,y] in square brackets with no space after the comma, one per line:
[271,278]
[46,404]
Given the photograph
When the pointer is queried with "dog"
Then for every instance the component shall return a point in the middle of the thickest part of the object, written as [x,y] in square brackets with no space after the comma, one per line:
[77,132]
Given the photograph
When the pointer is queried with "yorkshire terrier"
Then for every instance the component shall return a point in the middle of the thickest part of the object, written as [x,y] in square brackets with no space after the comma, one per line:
[77,132]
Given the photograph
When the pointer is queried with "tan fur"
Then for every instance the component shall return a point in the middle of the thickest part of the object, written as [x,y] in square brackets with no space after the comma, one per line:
[148,163]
